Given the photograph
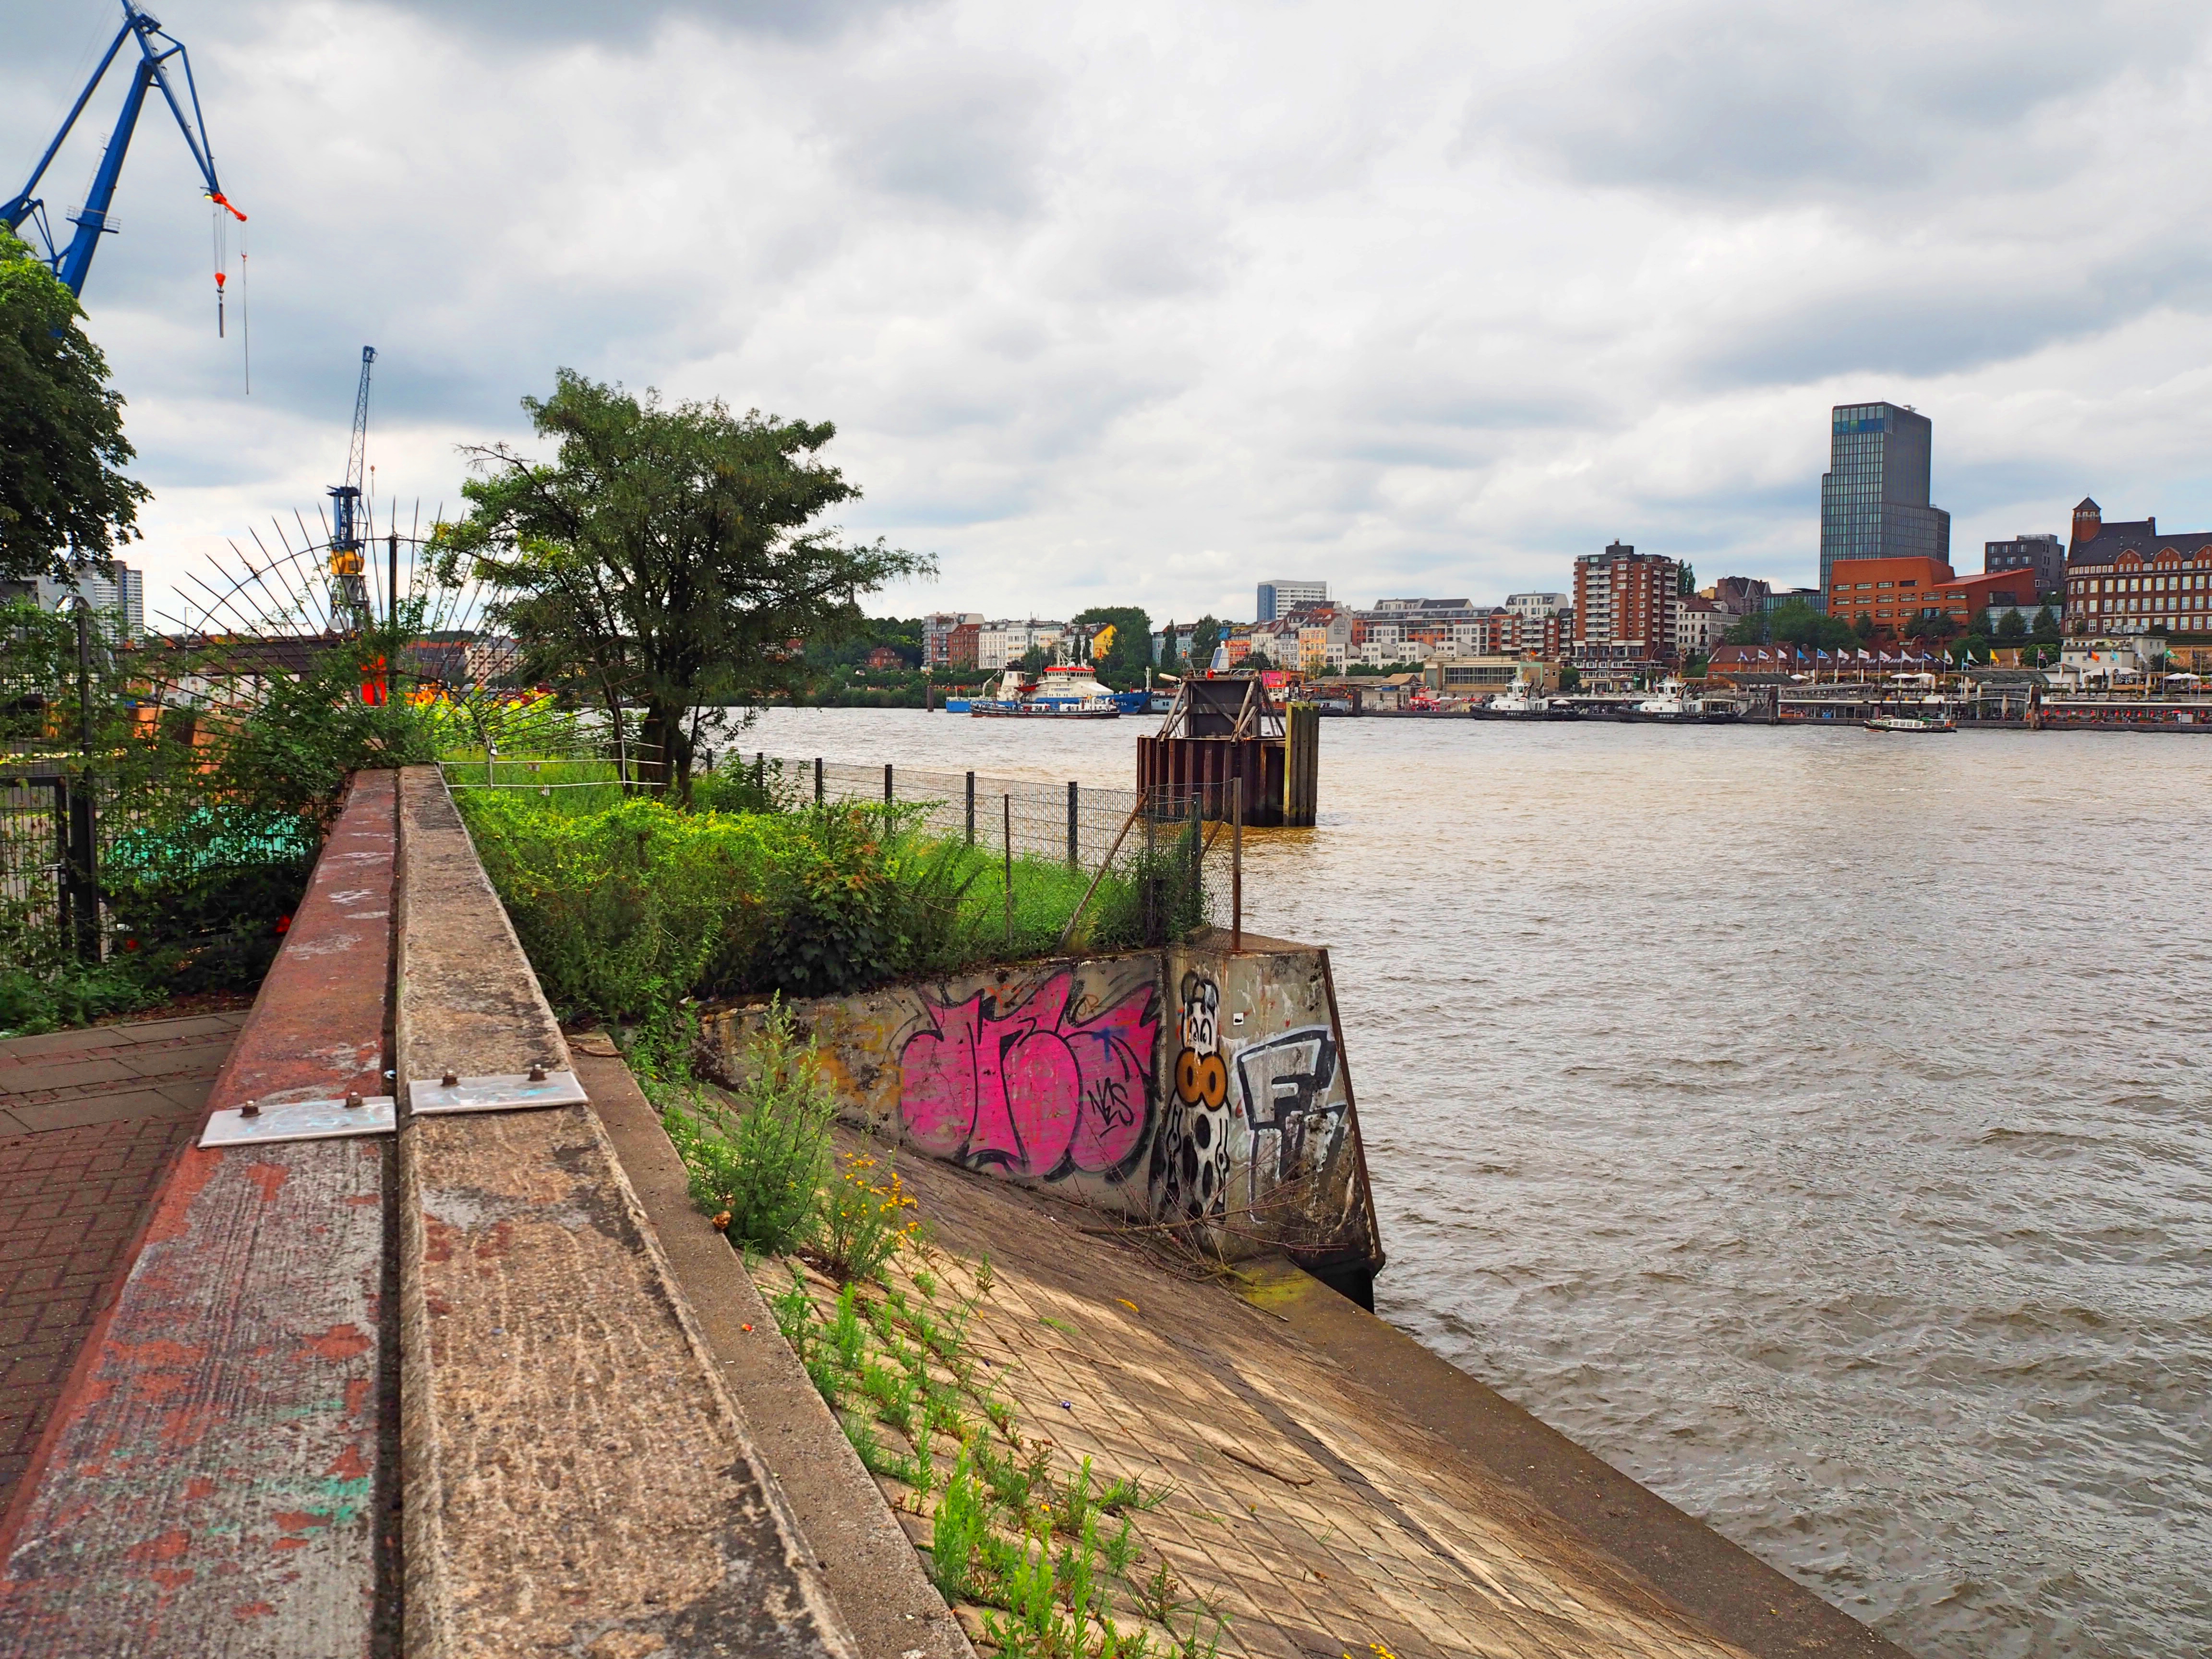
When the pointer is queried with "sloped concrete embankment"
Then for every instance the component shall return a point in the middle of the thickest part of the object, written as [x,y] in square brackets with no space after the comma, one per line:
[1194,1085]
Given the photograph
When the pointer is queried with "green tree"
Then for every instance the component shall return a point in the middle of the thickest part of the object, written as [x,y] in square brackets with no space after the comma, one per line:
[62,497]
[2012,626]
[1032,661]
[1749,630]
[1931,628]
[671,555]
[1798,624]
[1205,634]
[2046,627]
[1685,582]
[1862,628]
[1131,654]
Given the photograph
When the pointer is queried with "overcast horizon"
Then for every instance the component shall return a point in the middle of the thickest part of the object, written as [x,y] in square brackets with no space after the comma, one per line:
[1150,304]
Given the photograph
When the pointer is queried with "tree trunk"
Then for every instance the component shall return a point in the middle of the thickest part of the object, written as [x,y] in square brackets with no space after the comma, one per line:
[666,737]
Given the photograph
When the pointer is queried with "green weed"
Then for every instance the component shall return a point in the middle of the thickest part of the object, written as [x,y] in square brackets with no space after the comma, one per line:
[758,1169]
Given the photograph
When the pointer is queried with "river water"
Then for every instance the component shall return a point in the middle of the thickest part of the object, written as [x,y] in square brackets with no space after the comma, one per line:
[1816,1124]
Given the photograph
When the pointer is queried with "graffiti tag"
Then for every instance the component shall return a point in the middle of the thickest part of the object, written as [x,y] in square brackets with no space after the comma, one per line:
[1286,1081]
[1030,1090]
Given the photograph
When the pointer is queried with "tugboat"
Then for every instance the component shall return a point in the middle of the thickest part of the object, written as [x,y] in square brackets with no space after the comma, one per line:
[1518,702]
[1674,703]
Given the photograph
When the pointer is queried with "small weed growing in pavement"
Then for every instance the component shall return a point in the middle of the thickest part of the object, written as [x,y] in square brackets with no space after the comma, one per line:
[1160,1597]
[760,1165]
[894,1364]
[955,1535]
[1121,1549]
[862,1220]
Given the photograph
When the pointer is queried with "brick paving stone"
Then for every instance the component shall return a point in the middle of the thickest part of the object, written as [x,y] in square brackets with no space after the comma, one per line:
[1312,1516]
[84,1143]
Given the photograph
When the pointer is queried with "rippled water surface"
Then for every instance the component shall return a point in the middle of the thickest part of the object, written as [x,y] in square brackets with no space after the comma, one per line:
[1814,1124]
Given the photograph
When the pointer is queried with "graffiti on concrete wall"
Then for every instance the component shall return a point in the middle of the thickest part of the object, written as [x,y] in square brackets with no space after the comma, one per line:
[1287,1085]
[1032,1089]
[1190,1154]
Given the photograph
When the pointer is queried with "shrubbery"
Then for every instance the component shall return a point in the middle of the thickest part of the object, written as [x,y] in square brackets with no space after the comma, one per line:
[626,910]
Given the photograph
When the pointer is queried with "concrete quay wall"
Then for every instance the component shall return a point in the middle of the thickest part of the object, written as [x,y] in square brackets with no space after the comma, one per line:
[1191,1086]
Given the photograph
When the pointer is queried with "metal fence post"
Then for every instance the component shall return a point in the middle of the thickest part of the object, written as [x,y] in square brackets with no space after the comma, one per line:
[81,868]
[888,797]
[1236,870]
[1008,836]
[1074,847]
[971,809]
[818,779]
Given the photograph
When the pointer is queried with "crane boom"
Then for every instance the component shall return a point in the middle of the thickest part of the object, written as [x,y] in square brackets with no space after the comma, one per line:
[349,607]
[93,220]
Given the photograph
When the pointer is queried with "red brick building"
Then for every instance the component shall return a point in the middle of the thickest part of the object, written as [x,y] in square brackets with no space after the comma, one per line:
[2127,578]
[1625,605]
[1894,594]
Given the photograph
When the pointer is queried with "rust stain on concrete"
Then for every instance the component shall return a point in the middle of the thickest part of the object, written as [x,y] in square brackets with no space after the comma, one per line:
[209,1483]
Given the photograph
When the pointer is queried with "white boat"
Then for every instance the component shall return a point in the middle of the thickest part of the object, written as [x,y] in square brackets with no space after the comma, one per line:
[1516,702]
[1670,700]
[1911,723]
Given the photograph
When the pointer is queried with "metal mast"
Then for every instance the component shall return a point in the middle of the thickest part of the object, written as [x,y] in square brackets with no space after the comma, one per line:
[349,607]
[93,220]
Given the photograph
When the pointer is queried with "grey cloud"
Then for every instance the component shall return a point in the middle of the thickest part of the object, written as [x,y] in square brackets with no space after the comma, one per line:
[627,22]
[966,139]
[1717,99]
[1950,320]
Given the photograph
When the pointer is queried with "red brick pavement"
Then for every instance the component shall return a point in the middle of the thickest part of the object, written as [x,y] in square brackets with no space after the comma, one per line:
[121,1101]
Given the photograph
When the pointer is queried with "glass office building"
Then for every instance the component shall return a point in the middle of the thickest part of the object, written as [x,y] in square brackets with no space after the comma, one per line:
[1873,496]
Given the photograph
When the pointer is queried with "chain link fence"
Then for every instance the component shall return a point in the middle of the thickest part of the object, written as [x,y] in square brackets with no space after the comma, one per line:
[1182,871]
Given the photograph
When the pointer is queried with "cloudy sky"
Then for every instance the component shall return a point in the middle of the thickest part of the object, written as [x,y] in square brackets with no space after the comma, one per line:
[1144,302]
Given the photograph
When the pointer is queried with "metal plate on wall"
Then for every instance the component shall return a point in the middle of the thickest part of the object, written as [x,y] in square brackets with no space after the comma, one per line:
[504,1093]
[300,1120]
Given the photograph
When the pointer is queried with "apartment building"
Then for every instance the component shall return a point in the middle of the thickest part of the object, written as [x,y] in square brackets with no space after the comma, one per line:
[1625,605]
[998,644]
[947,634]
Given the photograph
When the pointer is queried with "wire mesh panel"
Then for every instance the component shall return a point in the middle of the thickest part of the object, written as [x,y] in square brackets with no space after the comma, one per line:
[1075,822]
[34,850]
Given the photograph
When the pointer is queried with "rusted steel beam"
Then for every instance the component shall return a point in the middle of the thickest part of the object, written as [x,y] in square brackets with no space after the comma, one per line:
[578,1478]
[211,1481]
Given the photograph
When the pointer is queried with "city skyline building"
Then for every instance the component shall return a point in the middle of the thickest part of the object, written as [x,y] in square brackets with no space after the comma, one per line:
[1281,595]
[1625,605]
[108,585]
[1875,496]
[2043,557]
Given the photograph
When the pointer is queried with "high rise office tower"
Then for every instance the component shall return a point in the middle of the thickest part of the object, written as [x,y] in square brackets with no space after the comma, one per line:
[1873,496]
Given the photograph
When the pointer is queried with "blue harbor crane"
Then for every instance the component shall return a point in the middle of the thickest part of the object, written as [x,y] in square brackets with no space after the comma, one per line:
[93,220]
[349,608]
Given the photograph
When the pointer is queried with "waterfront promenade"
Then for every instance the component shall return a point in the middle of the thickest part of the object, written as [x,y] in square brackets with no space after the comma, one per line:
[346,1377]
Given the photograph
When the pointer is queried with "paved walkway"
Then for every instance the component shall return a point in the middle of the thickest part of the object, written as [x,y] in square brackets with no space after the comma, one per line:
[88,1122]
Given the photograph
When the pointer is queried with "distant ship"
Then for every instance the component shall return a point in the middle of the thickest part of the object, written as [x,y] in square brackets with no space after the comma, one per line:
[1063,692]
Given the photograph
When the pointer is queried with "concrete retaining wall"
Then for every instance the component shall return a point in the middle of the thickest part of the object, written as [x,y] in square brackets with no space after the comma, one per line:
[1190,1084]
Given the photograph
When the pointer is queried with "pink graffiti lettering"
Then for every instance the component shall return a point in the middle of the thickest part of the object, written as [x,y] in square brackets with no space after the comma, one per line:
[1031,1090]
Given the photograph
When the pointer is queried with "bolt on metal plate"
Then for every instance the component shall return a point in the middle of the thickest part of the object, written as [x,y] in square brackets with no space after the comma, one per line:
[506,1092]
[258,1125]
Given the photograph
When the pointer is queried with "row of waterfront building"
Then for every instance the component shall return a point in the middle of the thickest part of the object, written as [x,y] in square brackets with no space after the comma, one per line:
[1885,570]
